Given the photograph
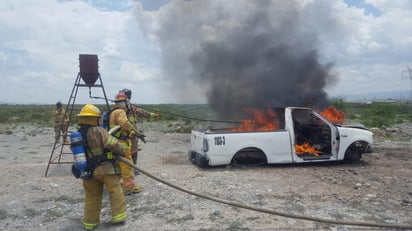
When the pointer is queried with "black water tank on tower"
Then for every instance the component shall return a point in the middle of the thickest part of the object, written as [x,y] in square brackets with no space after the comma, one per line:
[89,68]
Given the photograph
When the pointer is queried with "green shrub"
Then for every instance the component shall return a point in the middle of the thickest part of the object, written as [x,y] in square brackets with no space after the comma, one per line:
[379,114]
[186,116]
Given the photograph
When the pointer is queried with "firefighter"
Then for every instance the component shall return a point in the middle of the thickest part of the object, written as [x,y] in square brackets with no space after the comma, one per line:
[133,114]
[100,150]
[60,123]
[125,134]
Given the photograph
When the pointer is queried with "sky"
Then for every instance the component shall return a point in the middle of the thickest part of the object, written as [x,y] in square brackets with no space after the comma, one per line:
[205,51]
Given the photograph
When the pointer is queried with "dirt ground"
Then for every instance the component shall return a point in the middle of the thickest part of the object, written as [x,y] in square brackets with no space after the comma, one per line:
[377,190]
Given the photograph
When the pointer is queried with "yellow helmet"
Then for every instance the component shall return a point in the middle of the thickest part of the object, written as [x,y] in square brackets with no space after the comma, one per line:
[90,110]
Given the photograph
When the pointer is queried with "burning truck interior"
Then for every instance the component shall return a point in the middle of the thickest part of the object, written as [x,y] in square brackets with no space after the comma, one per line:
[312,135]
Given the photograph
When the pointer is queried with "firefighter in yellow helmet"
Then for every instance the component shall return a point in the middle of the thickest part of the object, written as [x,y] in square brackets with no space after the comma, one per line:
[101,149]
[125,134]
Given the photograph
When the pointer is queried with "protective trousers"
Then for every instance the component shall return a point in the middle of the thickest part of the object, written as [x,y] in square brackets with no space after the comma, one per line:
[58,130]
[93,189]
[128,182]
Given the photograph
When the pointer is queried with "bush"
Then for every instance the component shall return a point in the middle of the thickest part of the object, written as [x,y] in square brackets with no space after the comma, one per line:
[379,114]
[376,114]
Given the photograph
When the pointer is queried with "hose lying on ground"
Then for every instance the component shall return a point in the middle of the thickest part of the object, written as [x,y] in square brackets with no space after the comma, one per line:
[262,210]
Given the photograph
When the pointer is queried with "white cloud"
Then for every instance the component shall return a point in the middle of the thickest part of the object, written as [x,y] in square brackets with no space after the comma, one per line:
[373,50]
[40,42]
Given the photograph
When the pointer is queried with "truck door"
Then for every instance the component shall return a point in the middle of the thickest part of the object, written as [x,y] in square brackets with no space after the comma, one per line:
[314,138]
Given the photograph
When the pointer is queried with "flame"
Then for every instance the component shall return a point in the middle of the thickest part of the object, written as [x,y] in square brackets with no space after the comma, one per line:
[333,115]
[262,121]
[306,148]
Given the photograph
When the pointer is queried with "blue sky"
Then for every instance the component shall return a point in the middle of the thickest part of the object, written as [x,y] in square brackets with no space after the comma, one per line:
[369,43]
[369,8]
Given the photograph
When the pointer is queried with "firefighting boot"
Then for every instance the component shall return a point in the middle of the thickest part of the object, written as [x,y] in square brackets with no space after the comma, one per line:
[118,223]
[137,189]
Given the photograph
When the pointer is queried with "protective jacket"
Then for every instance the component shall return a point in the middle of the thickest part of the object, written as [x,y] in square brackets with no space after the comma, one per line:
[101,150]
[136,113]
[59,118]
[118,116]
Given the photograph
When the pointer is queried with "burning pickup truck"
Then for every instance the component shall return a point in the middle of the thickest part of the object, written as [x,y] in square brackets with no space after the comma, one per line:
[295,135]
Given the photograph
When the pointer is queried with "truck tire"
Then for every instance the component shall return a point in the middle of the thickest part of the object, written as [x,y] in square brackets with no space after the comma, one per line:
[249,157]
[353,154]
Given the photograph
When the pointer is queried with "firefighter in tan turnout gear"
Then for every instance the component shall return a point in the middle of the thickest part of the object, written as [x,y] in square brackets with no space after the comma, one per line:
[133,114]
[60,123]
[125,134]
[101,149]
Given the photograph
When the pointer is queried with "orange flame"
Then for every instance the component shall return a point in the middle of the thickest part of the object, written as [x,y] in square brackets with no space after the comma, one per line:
[333,115]
[306,148]
[262,121]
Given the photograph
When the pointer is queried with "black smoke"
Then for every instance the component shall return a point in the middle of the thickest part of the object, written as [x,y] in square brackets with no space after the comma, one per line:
[243,54]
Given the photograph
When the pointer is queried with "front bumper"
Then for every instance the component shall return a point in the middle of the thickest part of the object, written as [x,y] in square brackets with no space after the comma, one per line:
[198,159]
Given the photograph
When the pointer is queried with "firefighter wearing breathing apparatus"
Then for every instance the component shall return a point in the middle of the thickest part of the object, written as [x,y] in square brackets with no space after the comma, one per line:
[102,169]
[125,134]
[133,114]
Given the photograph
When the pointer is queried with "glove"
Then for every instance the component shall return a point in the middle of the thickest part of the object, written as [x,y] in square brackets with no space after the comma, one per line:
[141,137]
[132,134]
[122,153]
[154,115]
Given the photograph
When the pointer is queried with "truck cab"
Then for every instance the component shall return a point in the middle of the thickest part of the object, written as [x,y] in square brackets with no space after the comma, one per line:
[308,127]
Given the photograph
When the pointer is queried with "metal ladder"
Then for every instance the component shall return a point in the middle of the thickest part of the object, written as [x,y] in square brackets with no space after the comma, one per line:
[61,153]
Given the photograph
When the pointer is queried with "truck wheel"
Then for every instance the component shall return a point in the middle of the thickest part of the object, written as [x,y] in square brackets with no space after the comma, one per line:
[352,155]
[249,157]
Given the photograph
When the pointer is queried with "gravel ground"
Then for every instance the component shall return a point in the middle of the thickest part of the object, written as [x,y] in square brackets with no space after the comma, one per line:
[378,189]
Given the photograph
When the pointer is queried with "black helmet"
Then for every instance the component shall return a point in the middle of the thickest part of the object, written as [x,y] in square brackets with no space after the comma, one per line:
[59,104]
[127,92]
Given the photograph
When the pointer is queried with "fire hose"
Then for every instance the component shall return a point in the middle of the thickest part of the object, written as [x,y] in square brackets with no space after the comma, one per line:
[261,210]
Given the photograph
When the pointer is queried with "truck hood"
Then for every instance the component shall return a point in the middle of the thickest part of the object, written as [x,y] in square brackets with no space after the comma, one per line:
[359,126]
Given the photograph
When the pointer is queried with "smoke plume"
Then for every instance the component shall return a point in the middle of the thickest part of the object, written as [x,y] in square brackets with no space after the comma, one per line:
[242,54]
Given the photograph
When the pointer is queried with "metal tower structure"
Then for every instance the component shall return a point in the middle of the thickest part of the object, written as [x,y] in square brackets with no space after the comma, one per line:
[89,73]
[409,70]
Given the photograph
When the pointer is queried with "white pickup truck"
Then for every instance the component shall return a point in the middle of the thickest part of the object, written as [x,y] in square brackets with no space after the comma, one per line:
[299,129]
